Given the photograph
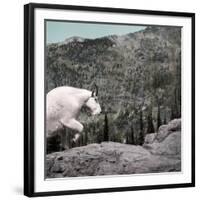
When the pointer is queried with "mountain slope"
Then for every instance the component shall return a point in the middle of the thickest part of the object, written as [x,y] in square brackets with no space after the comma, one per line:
[138,74]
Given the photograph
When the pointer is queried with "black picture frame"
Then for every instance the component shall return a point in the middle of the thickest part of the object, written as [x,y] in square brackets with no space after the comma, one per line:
[29,87]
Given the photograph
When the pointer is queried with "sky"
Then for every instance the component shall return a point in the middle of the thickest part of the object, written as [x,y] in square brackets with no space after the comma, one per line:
[58,31]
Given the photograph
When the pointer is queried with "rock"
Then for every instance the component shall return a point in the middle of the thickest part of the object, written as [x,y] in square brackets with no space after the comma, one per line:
[110,158]
[162,133]
[165,130]
[175,125]
[149,138]
[171,146]
[160,153]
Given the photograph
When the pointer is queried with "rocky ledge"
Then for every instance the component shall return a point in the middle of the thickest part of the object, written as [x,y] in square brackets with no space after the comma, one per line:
[161,152]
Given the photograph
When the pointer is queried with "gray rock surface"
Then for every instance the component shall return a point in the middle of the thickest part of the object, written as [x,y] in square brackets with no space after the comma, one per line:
[171,146]
[109,158]
[165,130]
[149,138]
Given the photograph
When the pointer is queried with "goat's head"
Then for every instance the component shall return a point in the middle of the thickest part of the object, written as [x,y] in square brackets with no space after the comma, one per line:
[93,102]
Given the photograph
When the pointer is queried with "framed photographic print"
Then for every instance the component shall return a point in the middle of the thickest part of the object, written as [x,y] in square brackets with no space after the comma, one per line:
[108,99]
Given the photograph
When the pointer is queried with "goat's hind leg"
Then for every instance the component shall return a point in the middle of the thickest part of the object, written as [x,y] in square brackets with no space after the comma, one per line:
[64,139]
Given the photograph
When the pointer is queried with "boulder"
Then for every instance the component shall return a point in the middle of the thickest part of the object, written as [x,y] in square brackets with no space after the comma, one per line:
[175,125]
[171,146]
[165,130]
[161,152]
[109,158]
[149,138]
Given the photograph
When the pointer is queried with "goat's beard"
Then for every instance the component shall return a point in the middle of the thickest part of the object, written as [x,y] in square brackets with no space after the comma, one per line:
[91,112]
[96,111]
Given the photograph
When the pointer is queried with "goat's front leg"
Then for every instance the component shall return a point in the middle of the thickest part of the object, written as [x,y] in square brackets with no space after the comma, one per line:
[73,125]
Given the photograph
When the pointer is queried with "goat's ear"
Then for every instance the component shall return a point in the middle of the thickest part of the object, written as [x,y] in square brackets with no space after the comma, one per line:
[92,95]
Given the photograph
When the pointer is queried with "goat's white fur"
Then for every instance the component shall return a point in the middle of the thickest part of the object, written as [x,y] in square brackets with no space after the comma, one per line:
[63,105]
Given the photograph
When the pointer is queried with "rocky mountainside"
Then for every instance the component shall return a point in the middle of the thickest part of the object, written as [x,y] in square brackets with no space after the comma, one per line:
[162,154]
[138,75]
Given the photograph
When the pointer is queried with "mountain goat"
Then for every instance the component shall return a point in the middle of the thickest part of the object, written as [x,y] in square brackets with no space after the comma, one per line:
[63,105]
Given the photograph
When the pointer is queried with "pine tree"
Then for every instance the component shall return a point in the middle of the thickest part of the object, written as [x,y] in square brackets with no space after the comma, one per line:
[159,123]
[86,138]
[132,135]
[178,85]
[81,140]
[141,132]
[150,126]
[165,119]
[173,114]
[106,133]
[127,138]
